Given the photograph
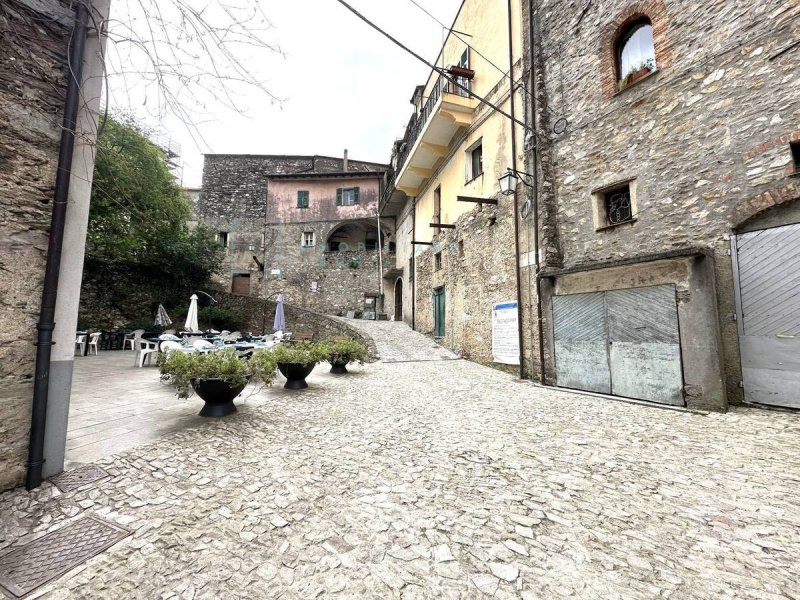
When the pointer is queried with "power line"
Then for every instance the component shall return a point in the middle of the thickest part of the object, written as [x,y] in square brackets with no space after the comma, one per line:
[443,73]
[457,35]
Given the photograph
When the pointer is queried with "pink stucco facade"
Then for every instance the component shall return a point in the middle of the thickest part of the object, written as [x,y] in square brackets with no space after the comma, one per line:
[282,197]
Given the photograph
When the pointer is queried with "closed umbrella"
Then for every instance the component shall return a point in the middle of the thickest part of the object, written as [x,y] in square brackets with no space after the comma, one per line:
[280,320]
[191,318]
[162,318]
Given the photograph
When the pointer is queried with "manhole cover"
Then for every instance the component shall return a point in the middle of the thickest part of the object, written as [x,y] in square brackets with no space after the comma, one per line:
[27,567]
[72,480]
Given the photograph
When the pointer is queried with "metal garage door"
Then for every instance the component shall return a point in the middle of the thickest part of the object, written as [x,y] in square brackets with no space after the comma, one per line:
[622,342]
[767,270]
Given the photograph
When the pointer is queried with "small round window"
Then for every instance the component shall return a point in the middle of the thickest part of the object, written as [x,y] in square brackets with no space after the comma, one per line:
[636,52]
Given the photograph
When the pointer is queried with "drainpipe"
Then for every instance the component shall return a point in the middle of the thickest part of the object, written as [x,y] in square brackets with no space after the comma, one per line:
[516,198]
[380,264]
[535,211]
[413,267]
[46,324]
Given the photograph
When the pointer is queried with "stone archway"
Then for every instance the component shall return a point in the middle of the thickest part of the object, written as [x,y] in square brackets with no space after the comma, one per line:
[398,299]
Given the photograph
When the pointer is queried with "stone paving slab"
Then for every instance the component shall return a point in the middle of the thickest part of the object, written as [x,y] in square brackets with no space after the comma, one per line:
[442,479]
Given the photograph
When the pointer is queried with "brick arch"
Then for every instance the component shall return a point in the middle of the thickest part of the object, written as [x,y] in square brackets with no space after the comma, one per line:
[656,11]
[757,205]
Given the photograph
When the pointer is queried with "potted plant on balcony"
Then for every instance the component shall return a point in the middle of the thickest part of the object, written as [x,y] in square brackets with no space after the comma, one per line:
[217,377]
[296,361]
[342,352]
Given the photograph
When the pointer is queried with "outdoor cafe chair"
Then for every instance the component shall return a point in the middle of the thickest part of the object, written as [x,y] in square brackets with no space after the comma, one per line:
[145,352]
[80,340]
[93,339]
[170,345]
[203,346]
[132,339]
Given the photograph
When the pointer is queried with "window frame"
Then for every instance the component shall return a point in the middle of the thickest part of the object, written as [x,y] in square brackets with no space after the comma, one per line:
[341,192]
[303,239]
[303,199]
[437,261]
[624,36]
[223,238]
[469,165]
[600,204]
[794,150]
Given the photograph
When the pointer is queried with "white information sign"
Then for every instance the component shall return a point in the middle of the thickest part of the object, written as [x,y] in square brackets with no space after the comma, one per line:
[505,334]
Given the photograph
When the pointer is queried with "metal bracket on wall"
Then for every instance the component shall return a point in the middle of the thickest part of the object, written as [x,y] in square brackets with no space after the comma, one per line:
[477,200]
[423,243]
[443,226]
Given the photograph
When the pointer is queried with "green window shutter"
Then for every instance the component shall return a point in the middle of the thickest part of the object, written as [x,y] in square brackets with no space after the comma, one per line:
[355,195]
[338,196]
[302,199]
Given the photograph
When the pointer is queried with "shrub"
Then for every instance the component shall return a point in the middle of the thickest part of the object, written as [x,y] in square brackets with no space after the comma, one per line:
[302,353]
[180,368]
[343,352]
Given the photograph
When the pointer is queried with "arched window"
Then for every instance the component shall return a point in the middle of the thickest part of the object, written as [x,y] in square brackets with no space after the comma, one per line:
[636,53]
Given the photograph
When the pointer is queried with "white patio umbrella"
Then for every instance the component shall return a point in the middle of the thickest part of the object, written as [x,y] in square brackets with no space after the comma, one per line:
[191,317]
[162,318]
[280,321]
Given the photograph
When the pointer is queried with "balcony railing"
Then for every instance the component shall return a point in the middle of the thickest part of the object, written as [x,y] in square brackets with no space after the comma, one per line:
[460,86]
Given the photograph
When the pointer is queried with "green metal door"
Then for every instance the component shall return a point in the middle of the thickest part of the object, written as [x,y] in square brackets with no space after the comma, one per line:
[438,312]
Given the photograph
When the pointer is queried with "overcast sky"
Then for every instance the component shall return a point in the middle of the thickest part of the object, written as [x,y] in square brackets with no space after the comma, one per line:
[343,84]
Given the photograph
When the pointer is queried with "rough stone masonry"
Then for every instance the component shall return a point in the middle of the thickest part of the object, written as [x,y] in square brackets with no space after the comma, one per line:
[33,50]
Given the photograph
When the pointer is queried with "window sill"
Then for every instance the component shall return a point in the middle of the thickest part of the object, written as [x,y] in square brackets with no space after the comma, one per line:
[607,227]
[478,176]
[635,83]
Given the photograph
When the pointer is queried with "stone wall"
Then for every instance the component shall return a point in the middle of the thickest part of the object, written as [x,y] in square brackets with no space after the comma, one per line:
[313,278]
[705,138]
[33,46]
[258,316]
[477,270]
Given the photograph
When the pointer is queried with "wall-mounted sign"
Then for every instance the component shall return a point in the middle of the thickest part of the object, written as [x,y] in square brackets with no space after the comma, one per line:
[505,333]
[314,286]
[276,272]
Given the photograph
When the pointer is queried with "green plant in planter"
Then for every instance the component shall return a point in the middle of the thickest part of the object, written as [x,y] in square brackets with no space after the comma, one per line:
[343,352]
[302,353]
[180,368]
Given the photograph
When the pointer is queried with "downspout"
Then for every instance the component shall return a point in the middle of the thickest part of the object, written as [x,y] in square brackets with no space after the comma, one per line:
[516,197]
[536,259]
[380,265]
[46,324]
[412,275]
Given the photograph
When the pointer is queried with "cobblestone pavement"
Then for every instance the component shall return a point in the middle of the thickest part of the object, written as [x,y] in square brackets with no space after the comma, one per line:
[442,479]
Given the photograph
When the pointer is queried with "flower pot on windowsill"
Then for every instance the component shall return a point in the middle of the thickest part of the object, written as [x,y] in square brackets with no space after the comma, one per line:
[295,374]
[218,395]
[634,76]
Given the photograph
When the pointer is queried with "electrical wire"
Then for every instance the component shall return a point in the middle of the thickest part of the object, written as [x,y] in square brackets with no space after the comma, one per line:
[442,72]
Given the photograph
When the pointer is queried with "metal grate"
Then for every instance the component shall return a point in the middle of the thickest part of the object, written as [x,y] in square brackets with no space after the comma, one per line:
[77,478]
[32,565]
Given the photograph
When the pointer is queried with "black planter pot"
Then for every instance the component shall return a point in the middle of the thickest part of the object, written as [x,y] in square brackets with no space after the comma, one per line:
[339,368]
[218,396]
[295,374]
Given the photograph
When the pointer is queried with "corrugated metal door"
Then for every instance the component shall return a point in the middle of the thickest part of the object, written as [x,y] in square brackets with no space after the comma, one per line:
[622,342]
[644,344]
[768,302]
[581,339]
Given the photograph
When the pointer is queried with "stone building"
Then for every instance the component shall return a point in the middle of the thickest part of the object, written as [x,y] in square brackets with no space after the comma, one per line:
[670,158]
[303,225]
[657,229]
[34,39]
[456,232]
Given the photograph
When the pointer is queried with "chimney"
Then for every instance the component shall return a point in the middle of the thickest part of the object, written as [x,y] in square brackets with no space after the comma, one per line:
[345,165]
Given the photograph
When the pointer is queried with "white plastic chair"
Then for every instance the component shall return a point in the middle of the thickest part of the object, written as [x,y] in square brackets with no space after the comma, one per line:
[203,346]
[133,339]
[93,338]
[80,341]
[146,350]
[169,345]
[169,332]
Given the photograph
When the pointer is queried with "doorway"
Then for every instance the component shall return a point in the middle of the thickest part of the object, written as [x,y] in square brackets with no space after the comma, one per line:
[241,284]
[398,300]
[438,312]
[766,280]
